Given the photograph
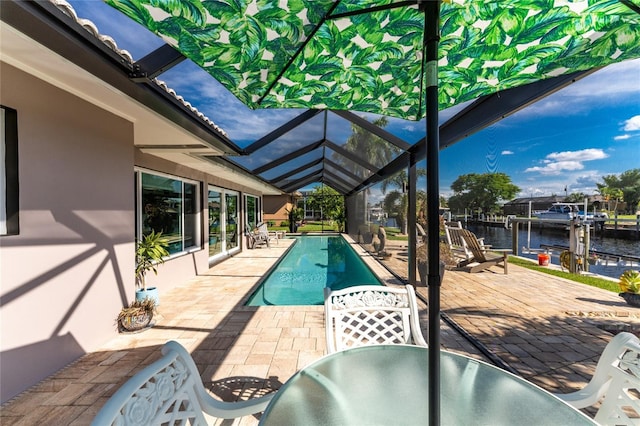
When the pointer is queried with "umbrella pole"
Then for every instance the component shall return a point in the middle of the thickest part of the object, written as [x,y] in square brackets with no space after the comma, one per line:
[431,39]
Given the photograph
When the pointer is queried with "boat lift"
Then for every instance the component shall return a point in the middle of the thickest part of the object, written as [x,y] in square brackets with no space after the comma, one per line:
[579,241]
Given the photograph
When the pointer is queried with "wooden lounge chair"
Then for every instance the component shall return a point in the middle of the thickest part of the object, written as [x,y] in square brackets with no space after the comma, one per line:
[421,235]
[371,315]
[170,391]
[457,244]
[616,382]
[483,258]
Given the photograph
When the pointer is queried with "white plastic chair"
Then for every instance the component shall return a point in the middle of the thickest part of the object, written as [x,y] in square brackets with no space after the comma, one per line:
[369,315]
[617,379]
[170,391]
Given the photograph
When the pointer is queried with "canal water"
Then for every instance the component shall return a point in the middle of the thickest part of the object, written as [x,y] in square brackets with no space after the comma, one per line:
[500,237]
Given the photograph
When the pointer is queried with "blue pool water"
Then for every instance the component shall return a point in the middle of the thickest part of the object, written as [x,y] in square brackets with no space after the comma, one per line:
[313,263]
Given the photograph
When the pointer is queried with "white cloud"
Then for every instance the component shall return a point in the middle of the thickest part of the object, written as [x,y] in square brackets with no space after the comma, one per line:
[559,162]
[622,137]
[557,167]
[582,155]
[632,124]
[507,152]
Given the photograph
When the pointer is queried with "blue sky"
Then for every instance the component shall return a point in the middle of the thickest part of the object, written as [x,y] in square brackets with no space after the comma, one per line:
[569,139]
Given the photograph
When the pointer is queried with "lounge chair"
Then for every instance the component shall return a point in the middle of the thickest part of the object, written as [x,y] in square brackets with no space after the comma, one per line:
[617,380]
[170,391]
[421,235]
[371,315]
[483,258]
[260,236]
[265,234]
[457,244]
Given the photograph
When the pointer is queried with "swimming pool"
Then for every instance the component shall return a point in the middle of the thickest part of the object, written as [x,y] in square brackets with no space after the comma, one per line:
[313,263]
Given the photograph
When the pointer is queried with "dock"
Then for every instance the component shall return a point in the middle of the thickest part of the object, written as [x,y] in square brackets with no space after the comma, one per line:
[624,229]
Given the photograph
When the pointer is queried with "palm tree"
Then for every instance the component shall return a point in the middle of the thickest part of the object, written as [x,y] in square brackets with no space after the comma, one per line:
[397,202]
[375,150]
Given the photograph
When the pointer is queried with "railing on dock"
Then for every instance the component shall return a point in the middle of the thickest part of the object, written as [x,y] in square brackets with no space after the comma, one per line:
[613,226]
[599,257]
[579,240]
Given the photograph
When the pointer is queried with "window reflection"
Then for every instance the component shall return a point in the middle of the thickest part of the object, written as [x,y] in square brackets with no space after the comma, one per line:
[252,211]
[170,206]
[223,220]
[215,234]
[232,220]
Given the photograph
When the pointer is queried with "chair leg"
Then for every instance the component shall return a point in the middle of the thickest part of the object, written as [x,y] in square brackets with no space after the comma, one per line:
[505,263]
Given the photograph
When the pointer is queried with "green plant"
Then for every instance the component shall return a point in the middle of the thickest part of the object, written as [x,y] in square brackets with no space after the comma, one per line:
[445,254]
[629,281]
[138,307]
[295,215]
[132,314]
[150,252]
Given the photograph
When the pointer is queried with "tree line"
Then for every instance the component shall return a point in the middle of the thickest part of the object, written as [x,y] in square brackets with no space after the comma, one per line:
[487,193]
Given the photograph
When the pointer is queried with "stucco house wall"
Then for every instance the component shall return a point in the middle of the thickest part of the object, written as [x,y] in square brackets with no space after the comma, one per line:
[275,207]
[67,274]
[64,278]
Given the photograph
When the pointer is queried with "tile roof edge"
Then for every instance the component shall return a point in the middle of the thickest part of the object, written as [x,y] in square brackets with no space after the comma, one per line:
[90,27]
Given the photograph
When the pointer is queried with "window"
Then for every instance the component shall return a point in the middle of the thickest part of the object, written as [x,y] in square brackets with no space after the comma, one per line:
[252,211]
[168,205]
[9,219]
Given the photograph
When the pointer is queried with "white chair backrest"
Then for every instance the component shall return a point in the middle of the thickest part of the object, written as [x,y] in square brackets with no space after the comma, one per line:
[457,244]
[617,378]
[170,391]
[369,315]
[621,405]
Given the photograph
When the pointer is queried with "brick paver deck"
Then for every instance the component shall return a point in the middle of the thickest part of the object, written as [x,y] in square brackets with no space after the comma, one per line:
[544,328]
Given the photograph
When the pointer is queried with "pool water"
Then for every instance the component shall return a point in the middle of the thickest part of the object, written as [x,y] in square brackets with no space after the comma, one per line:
[313,263]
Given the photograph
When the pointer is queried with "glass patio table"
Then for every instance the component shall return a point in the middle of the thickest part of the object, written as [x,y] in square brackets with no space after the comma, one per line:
[388,385]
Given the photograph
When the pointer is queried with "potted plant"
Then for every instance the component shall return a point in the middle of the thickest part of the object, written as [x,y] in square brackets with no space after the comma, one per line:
[295,216]
[150,252]
[136,316]
[423,265]
[629,283]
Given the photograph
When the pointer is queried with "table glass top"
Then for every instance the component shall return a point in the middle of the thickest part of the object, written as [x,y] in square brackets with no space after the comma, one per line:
[384,385]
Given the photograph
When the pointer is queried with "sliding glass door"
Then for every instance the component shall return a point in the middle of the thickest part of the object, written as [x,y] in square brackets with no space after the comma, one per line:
[223,221]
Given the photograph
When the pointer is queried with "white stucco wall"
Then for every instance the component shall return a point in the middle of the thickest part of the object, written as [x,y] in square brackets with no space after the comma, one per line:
[63,279]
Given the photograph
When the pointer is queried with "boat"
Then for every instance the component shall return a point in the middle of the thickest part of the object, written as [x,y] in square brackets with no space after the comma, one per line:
[560,211]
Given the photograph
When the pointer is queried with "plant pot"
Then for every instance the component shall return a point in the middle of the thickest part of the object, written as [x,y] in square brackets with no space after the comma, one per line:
[423,271]
[136,322]
[632,299]
[150,293]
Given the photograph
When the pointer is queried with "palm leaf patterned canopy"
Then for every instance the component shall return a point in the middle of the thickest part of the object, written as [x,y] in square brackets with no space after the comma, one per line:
[367,55]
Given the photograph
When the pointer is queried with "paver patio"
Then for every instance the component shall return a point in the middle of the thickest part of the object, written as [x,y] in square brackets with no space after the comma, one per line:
[545,328]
